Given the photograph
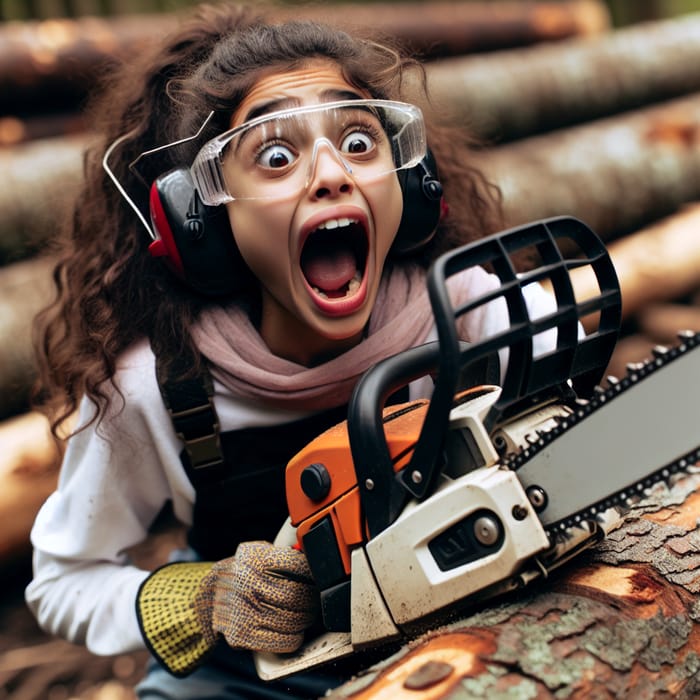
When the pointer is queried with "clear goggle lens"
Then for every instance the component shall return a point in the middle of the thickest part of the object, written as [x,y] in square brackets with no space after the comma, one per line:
[275,156]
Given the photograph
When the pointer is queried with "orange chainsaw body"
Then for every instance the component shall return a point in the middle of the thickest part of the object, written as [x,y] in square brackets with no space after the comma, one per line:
[330,454]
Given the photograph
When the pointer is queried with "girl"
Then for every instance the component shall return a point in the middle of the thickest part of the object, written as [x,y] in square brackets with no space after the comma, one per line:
[295,206]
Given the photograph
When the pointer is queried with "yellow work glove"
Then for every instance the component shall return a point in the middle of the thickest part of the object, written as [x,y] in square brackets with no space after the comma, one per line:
[261,599]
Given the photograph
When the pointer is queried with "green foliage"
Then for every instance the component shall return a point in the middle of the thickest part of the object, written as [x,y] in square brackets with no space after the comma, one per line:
[625,12]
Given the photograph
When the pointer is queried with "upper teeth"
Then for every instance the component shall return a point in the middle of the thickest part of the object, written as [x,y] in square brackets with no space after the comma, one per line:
[336,223]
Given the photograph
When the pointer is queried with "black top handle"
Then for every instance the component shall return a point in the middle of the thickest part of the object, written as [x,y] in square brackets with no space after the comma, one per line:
[560,245]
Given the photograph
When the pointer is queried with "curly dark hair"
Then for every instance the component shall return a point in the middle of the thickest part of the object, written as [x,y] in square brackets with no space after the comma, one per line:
[110,291]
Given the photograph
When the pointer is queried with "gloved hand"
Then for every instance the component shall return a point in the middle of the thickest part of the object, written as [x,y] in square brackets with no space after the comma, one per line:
[261,599]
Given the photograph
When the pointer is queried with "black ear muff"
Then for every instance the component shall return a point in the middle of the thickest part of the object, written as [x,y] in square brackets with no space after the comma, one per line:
[194,240]
[422,206]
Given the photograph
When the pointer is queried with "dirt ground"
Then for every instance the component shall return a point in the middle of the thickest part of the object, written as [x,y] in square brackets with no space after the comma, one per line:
[34,666]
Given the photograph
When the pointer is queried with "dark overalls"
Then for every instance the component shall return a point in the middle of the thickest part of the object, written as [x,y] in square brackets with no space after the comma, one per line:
[238,477]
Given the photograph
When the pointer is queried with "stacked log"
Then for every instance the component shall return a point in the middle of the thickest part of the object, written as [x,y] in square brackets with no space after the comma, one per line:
[40,182]
[507,95]
[52,64]
[25,287]
[657,265]
[446,28]
[28,468]
[617,174]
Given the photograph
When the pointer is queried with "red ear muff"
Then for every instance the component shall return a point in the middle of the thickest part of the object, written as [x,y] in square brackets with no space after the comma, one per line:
[164,246]
[422,206]
[194,240]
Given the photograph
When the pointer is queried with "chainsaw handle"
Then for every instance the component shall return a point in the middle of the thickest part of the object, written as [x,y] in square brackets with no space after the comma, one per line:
[382,496]
[381,491]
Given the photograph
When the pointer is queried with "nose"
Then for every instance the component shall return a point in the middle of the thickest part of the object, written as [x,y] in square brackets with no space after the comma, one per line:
[329,173]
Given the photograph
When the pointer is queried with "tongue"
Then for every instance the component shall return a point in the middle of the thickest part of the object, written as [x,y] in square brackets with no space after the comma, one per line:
[329,270]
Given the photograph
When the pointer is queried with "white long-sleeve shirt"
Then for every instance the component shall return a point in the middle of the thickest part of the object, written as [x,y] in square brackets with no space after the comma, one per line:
[117,475]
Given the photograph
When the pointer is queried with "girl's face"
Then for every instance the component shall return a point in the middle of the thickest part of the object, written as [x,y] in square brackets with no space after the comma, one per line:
[318,254]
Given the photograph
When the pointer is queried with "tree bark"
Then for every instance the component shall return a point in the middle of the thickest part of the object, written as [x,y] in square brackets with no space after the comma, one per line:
[621,621]
[508,95]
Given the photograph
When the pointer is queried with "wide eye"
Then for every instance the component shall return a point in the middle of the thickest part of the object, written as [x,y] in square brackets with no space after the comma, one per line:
[357,143]
[276,156]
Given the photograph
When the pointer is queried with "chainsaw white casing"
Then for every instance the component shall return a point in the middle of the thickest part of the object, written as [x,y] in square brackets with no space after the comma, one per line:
[415,561]
[424,561]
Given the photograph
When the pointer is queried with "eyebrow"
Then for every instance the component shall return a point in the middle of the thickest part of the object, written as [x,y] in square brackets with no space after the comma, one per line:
[288,102]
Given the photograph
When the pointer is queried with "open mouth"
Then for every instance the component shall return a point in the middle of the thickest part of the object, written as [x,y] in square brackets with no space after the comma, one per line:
[333,258]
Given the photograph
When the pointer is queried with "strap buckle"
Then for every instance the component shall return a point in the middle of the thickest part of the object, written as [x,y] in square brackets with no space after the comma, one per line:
[203,450]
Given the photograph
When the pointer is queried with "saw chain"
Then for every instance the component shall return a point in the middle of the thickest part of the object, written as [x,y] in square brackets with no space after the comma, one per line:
[618,390]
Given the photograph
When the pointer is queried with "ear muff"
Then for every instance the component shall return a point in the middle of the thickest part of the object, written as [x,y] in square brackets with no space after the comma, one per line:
[422,206]
[194,240]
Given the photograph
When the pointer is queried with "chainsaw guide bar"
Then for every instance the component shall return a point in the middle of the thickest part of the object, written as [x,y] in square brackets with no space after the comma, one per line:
[617,440]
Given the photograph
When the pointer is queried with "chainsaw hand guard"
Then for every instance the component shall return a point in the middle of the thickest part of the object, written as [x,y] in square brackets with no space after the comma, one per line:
[561,244]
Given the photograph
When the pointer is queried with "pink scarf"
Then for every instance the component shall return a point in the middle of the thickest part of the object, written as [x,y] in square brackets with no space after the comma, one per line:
[402,318]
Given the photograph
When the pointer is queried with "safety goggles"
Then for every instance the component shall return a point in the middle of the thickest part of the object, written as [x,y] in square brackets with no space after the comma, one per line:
[275,156]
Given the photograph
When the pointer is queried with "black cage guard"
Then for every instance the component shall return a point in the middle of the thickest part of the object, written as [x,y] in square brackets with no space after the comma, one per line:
[562,244]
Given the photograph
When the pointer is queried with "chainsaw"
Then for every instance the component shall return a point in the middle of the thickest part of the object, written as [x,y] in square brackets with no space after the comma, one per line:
[410,512]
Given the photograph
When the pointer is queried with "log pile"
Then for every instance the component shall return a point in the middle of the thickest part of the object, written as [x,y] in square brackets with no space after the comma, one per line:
[576,119]
[504,95]
[48,66]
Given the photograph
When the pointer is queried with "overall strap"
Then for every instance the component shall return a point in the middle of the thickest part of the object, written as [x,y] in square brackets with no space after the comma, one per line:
[190,403]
